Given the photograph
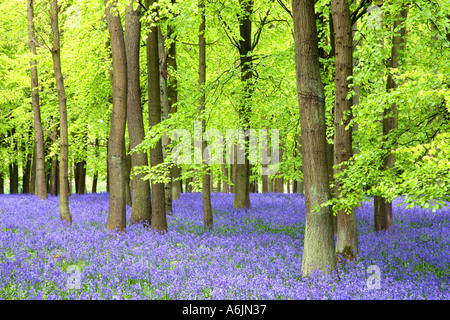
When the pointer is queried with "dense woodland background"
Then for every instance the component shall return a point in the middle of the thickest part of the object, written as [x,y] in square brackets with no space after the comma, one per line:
[359,90]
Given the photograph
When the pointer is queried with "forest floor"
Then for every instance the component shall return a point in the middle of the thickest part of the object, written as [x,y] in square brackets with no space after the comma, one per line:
[250,254]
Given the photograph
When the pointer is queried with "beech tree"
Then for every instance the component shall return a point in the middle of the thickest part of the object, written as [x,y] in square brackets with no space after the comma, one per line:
[343,149]
[159,219]
[318,250]
[116,157]
[39,135]
[206,178]
[141,210]
[64,135]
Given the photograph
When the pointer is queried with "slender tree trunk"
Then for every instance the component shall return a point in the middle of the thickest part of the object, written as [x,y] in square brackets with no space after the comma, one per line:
[318,251]
[54,178]
[70,178]
[382,207]
[117,198]
[172,92]
[141,210]
[347,241]
[40,157]
[63,162]
[242,187]
[233,168]
[2,184]
[95,177]
[159,219]
[206,179]
[33,172]
[94,182]
[13,178]
[26,175]
[127,169]
[80,177]
[225,187]
[165,110]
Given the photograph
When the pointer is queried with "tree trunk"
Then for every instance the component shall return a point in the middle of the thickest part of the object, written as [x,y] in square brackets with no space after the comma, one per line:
[94,182]
[225,187]
[117,199]
[33,172]
[63,162]
[141,210]
[39,135]
[54,177]
[127,169]
[318,250]
[13,178]
[172,93]
[159,220]
[233,168]
[382,208]
[346,223]
[80,177]
[2,184]
[26,175]
[206,179]
[165,110]
[242,186]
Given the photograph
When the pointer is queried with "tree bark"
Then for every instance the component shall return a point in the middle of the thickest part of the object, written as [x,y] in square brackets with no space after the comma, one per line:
[346,223]
[39,135]
[225,187]
[172,92]
[165,110]
[2,184]
[54,177]
[26,175]
[382,207]
[117,198]
[141,210]
[159,219]
[63,162]
[206,178]
[242,186]
[318,250]
[33,172]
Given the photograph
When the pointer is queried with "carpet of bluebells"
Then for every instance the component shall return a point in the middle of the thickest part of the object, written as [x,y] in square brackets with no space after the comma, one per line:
[250,254]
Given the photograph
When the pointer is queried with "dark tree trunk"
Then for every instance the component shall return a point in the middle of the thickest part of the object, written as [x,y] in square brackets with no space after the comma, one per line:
[26,175]
[116,157]
[159,219]
[33,172]
[318,251]
[94,182]
[141,210]
[54,177]
[63,163]
[347,241]
[80,177]
[2,184]
[39,135]
[242,186]
[383,219]
[13,178]
[127,169]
